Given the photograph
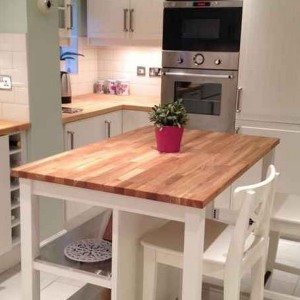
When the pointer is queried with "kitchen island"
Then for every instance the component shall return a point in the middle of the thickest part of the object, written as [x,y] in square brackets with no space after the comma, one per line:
[143,188]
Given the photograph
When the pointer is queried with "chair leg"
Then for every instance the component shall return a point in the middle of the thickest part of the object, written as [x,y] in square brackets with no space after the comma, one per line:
[272,252]
[257,280]
[150,274]
[232,288]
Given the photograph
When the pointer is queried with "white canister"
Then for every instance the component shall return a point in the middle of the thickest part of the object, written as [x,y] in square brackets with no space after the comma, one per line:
[122,87]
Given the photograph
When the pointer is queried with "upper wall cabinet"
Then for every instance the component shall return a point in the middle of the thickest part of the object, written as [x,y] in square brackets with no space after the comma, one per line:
[125,22]
[269,61]
[65,21]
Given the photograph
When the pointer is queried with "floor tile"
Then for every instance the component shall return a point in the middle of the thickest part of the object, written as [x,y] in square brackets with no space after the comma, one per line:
[58,291]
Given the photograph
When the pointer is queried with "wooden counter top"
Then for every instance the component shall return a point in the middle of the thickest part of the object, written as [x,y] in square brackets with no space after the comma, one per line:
[7,127]
[99,104]
[129,164]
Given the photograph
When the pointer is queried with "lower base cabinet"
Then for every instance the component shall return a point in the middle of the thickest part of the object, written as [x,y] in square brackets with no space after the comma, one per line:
[286,158]
[92,130]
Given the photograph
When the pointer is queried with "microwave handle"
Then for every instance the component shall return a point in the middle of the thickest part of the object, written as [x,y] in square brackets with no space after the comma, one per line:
[197,75]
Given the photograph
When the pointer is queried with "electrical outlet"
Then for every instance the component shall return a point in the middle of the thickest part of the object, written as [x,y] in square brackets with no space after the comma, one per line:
[154,72]
[141,71]
[5,82]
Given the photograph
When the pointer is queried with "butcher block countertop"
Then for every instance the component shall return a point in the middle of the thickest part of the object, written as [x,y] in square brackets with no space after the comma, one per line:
[129,164]
[7,127]
[99,104]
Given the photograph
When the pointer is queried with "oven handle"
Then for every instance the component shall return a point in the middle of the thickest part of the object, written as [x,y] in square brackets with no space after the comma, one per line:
[198,75]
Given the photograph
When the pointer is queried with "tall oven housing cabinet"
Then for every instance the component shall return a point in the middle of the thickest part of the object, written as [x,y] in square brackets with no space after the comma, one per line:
[201,44]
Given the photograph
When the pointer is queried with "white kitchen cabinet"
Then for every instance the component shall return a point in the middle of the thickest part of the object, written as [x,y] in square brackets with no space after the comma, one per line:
[135,119]
[125,22]
[269,61]
[5,216]
[287,160]
[65,21]
[13,154]
[84,132]
[92,130]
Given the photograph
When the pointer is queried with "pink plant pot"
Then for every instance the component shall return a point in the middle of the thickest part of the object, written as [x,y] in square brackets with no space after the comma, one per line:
[168,138]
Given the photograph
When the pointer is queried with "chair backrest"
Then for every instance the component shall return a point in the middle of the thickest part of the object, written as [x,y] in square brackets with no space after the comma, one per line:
[255,207]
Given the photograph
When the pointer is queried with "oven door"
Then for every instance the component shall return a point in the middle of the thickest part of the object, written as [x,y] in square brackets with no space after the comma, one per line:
[190,28]
[208,96]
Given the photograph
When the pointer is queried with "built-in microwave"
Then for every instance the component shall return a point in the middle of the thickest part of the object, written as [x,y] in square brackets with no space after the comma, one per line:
[213,26]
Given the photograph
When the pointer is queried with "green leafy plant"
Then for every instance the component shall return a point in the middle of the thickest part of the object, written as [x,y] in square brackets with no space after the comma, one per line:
[170,114]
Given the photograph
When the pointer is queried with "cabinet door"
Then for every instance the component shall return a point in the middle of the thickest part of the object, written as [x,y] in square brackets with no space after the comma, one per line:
[107,19]
[287,160]
[134,119]
[147,20]
[112,123]
[65,21]
[5,206]
[269,61]
[84,132]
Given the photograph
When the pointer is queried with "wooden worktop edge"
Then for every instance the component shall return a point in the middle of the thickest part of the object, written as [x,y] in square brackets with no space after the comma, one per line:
[15,128]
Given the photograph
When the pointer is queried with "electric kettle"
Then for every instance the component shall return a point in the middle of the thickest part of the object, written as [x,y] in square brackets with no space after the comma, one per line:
[66,92]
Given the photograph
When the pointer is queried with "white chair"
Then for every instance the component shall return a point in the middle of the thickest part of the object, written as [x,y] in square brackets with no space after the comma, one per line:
[285,221]
[229,251]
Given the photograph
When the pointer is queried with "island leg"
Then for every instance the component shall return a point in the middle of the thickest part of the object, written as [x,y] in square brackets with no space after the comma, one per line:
[193,254]
[29,241]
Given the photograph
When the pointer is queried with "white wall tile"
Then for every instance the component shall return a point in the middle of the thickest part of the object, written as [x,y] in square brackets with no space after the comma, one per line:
[121,63]
[17,112]
[13,62]
[6,59]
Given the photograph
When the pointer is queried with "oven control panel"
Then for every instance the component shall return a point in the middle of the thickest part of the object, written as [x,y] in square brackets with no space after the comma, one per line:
[200,60]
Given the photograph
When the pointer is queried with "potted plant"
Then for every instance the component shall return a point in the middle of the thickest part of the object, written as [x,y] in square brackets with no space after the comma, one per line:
[169,120]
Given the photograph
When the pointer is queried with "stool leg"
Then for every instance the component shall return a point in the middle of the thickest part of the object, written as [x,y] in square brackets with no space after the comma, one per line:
[232,287]
[257,280]
[150,274]
[272,252]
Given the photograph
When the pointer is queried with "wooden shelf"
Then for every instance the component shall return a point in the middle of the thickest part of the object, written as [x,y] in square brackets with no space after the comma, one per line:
[15,205]
[53,260]
[15,223]
[14,151]
[14,187]
[16,241]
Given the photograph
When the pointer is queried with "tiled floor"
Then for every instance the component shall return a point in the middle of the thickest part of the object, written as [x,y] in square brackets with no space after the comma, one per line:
[59,288]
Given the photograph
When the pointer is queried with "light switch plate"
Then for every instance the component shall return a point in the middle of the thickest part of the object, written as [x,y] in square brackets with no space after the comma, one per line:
[154,72]
[140,71]
[5,82]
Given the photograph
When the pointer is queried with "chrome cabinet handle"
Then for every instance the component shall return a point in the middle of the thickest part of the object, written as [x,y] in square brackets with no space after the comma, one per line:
[70,6]
[125,11]
[131,20]
[108,124]
[198,75]
[72,135]
[238,100]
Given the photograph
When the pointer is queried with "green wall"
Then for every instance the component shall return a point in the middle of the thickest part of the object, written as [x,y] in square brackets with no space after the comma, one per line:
[13,17]
[46,134]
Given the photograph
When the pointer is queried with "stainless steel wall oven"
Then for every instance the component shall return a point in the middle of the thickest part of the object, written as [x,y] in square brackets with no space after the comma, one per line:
[201,43]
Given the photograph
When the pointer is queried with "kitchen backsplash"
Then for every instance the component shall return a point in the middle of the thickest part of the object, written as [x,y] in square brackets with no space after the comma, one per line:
[14,104]
[116,64]
[83,82]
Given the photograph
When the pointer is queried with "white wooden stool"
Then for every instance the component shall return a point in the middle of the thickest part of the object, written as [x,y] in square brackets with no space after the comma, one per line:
[229,251]
[285,221]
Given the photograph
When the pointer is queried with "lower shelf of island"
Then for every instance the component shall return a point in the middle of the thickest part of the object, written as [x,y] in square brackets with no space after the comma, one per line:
[52,260]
